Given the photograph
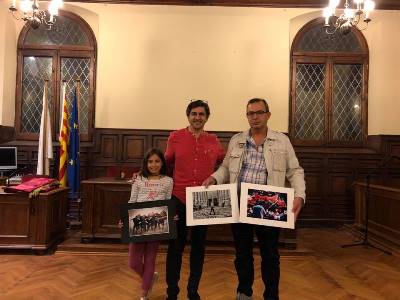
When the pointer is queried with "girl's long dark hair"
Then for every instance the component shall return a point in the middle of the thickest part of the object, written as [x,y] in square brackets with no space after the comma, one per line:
[144,171]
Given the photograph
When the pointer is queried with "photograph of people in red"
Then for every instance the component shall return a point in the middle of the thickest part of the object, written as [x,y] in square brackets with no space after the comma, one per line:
[267,205]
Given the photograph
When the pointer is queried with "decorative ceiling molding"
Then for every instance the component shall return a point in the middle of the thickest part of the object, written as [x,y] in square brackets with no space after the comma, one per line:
[380,4]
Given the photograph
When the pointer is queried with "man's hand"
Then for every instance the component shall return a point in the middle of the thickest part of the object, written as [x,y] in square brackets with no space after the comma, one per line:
[209,181]
[297,205]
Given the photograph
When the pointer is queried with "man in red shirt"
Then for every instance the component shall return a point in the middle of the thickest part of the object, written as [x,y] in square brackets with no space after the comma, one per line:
[192,154]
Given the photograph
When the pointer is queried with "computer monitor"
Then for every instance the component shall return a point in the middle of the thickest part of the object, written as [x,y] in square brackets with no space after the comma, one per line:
[8,158]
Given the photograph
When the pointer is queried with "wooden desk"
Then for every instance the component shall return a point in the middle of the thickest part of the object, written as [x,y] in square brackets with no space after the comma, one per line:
[37,223]
[102,198]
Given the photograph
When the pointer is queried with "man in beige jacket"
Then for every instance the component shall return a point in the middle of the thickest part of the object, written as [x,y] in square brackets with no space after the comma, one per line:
[259,156]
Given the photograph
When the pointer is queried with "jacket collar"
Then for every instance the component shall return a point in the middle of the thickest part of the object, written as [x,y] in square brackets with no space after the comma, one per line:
[271,136]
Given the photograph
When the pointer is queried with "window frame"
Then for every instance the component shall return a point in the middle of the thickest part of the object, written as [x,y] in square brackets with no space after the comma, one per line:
[329,59]
[57,52]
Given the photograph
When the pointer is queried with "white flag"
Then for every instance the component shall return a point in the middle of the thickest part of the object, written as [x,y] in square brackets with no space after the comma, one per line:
[63,94]
[45,152]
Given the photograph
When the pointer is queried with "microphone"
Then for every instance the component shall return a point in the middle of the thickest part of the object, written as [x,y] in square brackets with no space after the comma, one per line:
[386,159]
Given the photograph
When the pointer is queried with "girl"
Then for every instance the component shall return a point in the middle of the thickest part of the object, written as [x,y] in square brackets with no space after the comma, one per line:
[150,184]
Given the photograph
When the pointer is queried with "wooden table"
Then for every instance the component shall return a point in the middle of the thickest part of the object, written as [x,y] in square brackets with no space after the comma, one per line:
[37,223]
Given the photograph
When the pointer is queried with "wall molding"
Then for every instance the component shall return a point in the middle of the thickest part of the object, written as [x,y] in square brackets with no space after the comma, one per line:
[382,4]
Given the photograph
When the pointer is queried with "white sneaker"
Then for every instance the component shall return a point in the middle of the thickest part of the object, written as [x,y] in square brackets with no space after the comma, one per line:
[153,282]
[241,296]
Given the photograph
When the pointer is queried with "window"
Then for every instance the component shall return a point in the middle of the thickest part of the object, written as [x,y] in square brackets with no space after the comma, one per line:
[328,99]
[67,53]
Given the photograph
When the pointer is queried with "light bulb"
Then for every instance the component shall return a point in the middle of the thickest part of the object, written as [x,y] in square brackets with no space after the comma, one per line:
[334,3]
[369,5]
[53,9]
[26,6]
[349,13]
[327,13]
[58,3]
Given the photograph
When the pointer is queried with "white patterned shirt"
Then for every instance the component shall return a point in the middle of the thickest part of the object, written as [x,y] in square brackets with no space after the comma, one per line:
[144,189]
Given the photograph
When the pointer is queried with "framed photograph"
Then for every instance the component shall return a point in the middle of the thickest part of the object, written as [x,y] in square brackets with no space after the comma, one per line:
[266,205]
[148,221]
[217,204]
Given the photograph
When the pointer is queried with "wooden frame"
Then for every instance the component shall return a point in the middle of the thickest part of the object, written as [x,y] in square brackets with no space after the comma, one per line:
[57,53]
[140,225]
[329,59]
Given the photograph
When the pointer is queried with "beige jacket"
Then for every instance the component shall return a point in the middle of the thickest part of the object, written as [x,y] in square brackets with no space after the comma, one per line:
[280,159]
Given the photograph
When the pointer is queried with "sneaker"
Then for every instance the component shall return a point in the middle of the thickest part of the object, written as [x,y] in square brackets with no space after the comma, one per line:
[241,296]
[153,282]
[143,298]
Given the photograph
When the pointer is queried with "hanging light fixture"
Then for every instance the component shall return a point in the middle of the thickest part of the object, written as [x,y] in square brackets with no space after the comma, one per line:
[29,12]
[350,16]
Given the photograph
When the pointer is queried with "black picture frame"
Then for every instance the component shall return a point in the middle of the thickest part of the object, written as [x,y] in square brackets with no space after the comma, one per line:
[149,229]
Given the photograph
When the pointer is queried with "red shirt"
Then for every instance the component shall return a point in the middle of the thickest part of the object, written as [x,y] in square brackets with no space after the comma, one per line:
[191,159]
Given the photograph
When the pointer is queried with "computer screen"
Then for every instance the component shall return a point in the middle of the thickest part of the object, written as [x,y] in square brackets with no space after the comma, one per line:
[8,158]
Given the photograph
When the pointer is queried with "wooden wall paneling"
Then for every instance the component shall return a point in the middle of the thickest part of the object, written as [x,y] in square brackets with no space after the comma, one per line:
[6,133]
[159,142]
[384,208]
[134,148]
[329,171]
[109,147]
[340,198]
[315,204]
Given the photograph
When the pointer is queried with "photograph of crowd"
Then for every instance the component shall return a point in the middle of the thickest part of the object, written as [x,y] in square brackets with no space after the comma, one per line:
[146,221]
[212,204]
[267,205]
[216,204]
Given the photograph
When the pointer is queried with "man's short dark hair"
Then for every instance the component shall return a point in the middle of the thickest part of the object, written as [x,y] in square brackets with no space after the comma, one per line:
[198,103]
[256,100]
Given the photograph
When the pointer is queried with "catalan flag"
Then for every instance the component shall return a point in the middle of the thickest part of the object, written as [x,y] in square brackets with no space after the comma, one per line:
[73,153]
[63,139]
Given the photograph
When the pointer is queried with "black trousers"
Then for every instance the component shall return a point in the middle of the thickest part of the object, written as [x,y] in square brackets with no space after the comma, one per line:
[175,251]
[268,238]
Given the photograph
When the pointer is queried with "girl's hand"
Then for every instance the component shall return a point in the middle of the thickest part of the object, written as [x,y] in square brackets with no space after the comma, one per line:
[134,176]
[176,218]
[120,224]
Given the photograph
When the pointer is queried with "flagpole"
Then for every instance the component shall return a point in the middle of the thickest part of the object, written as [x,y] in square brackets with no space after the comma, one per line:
[63,95]
[78,96]
[44,153]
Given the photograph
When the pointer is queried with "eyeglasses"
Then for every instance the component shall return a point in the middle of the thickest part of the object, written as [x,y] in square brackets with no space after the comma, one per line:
[255,113]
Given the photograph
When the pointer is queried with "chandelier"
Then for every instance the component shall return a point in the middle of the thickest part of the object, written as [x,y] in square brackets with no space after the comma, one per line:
[350,16]
[29,12]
